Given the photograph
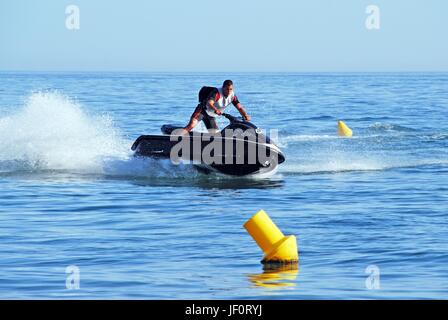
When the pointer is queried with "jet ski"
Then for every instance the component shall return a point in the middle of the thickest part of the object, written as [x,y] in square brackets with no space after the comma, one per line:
[240,149]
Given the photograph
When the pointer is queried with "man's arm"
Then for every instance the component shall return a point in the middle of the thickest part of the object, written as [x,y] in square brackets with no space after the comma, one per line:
[242,111]
[211,103]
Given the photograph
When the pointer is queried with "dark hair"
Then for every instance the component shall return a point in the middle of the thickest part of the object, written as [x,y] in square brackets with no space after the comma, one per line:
[227,83]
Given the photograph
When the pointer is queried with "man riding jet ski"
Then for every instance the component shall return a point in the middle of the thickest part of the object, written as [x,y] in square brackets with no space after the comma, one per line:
[212,102]
[239,149]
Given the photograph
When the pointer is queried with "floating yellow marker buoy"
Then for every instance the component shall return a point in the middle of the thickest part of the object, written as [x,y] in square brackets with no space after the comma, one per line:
[276,247]
[344,130]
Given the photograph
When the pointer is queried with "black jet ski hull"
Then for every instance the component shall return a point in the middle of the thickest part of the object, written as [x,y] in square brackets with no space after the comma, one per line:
[235,161]
[245,151]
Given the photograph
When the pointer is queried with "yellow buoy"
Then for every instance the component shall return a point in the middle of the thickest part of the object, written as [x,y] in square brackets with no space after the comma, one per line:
[277,247]
[344,130]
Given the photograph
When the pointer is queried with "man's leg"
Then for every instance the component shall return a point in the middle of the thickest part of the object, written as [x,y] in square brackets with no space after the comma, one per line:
[210,124]
[194,119]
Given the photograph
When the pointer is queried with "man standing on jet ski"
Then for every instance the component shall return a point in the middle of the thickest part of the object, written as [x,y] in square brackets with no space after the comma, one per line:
[212,102]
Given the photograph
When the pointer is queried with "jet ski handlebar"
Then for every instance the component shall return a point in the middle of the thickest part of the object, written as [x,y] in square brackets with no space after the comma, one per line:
[232,118]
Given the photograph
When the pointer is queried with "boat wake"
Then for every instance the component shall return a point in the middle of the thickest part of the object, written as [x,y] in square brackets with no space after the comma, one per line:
[53,134]
[379,147]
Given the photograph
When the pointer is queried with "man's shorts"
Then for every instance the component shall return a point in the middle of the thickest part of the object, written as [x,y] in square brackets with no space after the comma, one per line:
[200,114]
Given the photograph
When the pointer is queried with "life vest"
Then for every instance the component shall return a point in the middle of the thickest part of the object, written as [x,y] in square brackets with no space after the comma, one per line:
[221,102]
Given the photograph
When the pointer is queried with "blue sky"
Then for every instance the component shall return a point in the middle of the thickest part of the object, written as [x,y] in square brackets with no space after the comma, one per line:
[229,36]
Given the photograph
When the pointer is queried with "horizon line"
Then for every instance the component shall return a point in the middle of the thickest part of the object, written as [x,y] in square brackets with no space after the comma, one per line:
[219,72]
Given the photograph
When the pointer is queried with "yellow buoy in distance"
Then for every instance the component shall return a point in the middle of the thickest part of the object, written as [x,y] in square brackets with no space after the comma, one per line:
[277,247]
[344,130]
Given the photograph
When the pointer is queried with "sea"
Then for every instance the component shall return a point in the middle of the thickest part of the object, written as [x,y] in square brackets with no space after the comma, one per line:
[82,218]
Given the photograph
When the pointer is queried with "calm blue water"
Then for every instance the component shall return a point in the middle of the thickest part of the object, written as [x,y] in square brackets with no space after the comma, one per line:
[71,193]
